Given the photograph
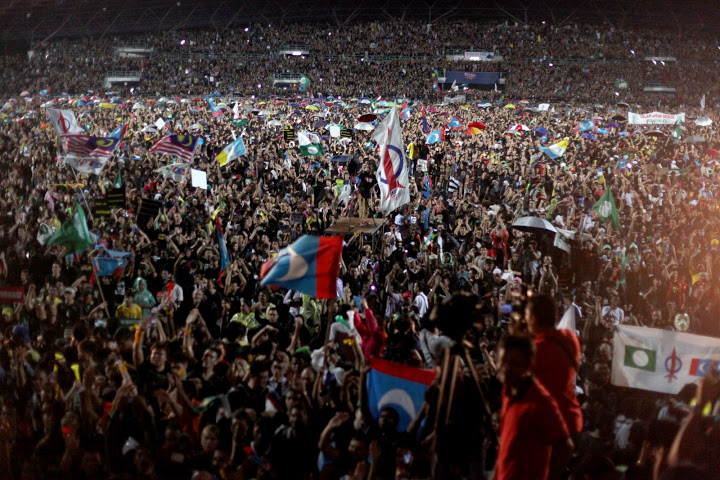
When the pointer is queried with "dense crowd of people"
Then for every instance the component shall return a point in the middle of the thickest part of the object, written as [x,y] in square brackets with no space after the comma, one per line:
[542,62]
[174,367]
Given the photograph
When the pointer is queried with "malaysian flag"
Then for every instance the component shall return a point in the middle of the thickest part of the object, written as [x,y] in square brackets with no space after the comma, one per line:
[90,147]
[182,146]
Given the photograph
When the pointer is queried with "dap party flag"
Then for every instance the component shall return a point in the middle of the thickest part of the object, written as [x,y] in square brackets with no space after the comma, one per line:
[392,173]
[90,147]
[435,136]
[557,150]
[90,166]
[73,234]
[231,152]
[64,122]
[660,360]
[309,265]
[216,111]
[606,210]
[397,386]
[182,146]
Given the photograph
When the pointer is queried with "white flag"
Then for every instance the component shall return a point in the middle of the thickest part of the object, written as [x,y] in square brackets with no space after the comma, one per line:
[64,122]
[569,319]
[86,165]
[544,107]
[392,173]
[454,87]
[660,360]
[160,123]
[702,102]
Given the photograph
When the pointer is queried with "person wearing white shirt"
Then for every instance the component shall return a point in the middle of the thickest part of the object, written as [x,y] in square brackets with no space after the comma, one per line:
[613,310]
[421,302]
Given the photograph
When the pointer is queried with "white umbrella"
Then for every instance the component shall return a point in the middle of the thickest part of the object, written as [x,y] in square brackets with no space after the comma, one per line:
[150,129]
[703,121]
[274,123]
[364,126]
[365,101]
[138,106]
[533,224]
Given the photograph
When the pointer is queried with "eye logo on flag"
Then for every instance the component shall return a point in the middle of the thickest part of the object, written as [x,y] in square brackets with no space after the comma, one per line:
[388,176]
[312,149]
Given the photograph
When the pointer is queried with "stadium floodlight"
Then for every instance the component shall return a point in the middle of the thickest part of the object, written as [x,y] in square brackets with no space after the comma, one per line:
[296,53]
[182,42]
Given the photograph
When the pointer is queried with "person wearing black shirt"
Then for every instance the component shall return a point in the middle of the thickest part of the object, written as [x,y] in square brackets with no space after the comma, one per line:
[367,181]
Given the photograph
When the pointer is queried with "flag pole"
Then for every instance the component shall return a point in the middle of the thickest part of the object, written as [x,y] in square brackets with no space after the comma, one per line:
[102,294]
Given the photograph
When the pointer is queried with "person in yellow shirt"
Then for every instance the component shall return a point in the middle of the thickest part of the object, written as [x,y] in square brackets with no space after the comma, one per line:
[128,310]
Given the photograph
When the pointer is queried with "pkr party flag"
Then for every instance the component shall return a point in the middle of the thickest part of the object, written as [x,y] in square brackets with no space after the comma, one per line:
[392,173]
[397,386]
[309,265]
[660,360]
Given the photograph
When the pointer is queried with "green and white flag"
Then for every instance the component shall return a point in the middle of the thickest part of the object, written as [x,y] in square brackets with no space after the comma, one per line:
[312,150]
[73,234]
[677,132]
[660,360]
[606,210]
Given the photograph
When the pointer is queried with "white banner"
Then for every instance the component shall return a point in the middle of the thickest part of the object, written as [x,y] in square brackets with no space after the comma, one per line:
[660,360]
[392,173]
[64,122]
[86,165]
[655,118]
[479,56]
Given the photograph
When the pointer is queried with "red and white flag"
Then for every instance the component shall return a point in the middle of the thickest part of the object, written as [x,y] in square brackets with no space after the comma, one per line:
[392,174]
[64,122]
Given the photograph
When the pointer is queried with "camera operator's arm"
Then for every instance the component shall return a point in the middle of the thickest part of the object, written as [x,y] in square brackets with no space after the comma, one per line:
[690,444]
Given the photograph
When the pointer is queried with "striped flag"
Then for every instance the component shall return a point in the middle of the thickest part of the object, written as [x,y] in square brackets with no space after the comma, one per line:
[425,126]
[216,111]
[453,185]
[182,146]
[90,147]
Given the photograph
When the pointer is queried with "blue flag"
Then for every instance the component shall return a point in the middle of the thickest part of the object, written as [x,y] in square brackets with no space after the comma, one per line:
[397,386]
[216,112]
[119,132]
[435,136]
[586,125]
[222,246]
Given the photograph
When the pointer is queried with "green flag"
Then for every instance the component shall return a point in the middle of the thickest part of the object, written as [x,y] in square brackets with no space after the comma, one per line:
[73,234]
[304,82]
[240,123]
[641,358]
[312,150]
[677,132]
[606,210]
[118,180]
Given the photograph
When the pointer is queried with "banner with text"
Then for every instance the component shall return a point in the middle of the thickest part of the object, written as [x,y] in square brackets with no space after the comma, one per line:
[12,294]
[655,118]
[660,360]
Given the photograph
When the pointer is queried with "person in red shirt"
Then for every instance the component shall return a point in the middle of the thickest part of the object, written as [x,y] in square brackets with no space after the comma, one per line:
[557,358]
[534,441]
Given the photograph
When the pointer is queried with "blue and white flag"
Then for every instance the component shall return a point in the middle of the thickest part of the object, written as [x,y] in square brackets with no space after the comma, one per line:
[557,150]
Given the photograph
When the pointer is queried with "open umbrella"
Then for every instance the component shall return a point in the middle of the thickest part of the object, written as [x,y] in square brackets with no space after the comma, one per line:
[597,118]
[655,133]
[483,105]
[694,139]
[703,121]
[622,104]
[613,125]
[364,126]
[478,125]
[368,117]
[24,93]
[294,105]
[432,109]
[533,225]
[713,152]
[472,131]
[274,123]
[589,136]
[510,106]
[619,118]
[364,101]
[312,107]
[106,105]
[542,131]
[320,124]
